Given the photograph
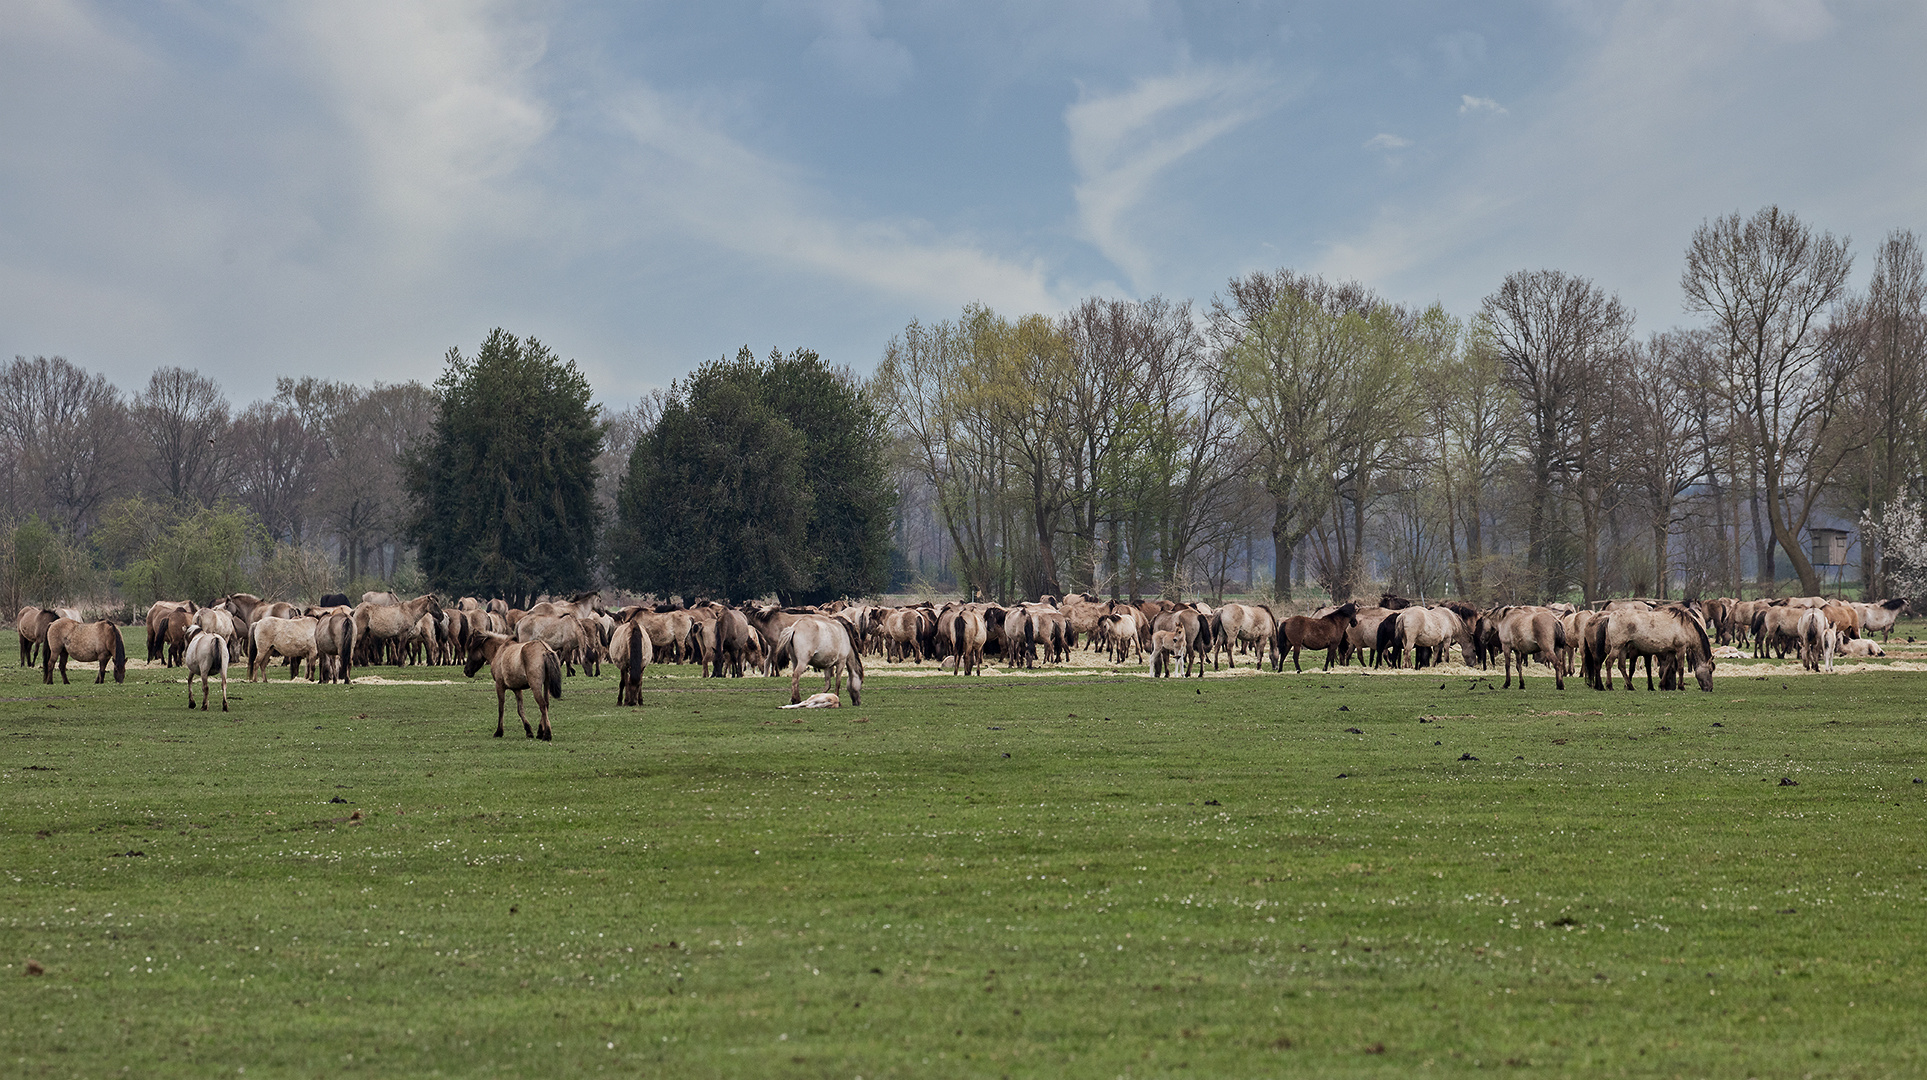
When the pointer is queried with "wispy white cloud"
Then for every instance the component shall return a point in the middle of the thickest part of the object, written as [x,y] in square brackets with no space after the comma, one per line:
[1678,110]
[1121,143]
[1387,141]
[713,187]
[1470,104]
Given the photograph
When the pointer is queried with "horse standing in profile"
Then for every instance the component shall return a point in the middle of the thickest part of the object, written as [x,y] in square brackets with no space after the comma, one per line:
[1670,631]
[206,656]
[518,666]
[87,643]
[1531,631]
[1328,632]
[827,645]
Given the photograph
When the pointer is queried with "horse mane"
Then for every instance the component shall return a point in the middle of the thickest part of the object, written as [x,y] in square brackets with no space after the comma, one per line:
[1462,609]
[1393,602]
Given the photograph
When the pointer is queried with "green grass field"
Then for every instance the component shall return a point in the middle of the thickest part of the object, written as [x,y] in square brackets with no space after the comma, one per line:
[1317,875]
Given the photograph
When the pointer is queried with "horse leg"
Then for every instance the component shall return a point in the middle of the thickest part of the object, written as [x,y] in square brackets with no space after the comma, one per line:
[1295,665]
[544,733]
[796,685]
[523,715]
[190,692]
[500,707]
[223,691]
[856,687]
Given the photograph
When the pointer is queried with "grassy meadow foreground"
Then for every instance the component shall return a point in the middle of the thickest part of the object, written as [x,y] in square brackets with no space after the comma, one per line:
[1317,875]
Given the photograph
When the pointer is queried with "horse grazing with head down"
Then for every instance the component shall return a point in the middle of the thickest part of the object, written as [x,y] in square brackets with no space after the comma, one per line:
[1670,631]
[32,622]
[518,666]
[87,643]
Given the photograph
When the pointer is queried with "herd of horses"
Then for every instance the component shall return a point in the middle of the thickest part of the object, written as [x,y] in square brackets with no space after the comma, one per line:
[531,649]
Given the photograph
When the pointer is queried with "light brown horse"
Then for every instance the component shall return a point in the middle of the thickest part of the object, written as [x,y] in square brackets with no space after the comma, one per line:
[32,623]
[87,643]
[273,636]
[388,625]
[1327,632]
[518,666]
[334,643]
[1531,631]
[1196,629]
[159,613]
[827,644]
[1244,625]
[1670,631]
[206,656]
[630,650]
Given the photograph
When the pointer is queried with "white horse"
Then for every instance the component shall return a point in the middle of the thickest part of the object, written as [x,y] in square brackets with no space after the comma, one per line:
[206,656]
[827,645]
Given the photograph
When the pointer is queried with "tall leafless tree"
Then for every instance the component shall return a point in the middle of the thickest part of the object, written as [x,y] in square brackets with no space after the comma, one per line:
[1767,283]
[63,433]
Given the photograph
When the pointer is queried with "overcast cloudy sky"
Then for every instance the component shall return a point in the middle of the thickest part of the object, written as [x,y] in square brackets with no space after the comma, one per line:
[349,188]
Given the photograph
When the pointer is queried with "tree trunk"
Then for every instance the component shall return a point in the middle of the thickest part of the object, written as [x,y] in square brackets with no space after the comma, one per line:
[1281,543]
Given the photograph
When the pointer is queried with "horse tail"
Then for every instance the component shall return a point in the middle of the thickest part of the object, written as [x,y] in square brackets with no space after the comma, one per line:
[47,655]
[552,673]
[120,656]
[347,644]
[957,635]
[635,658]
[856,652]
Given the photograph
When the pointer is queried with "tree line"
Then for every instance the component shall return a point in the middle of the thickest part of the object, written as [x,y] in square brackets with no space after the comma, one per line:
[1533,450]
[1291,434]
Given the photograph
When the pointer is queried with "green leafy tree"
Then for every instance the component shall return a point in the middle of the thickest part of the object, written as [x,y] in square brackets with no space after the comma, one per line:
[198,553]
[502,489]
[758,478]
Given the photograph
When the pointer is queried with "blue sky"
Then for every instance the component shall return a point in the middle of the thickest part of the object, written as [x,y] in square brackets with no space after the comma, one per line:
[347,189]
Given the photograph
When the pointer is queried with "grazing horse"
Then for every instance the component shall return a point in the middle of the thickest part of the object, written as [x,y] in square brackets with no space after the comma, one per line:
[32,622]
[1531,631]
[630,651]
[1328,632]
[1776,628]
[1243,625]
[206,656]
[518,666]
[87,643]
[1670,631]
[827,645]
[274,636]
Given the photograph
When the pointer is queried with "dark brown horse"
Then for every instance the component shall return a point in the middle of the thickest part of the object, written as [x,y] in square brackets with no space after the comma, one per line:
[86,642]
[1327,632]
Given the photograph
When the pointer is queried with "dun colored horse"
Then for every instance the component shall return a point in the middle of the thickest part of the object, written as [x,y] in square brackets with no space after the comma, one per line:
[87,643]
[206,656]
[518,666]
[32,622]
[827,645]
[630,650]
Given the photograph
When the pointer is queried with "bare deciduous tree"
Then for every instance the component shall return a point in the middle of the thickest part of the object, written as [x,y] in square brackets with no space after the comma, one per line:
[1768,282]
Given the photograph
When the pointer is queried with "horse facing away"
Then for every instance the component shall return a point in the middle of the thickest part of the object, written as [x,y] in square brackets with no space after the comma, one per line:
[518,666]
[1532,631]
[87,643]
[206,656]
[828,645]
[630,650]
[32,622]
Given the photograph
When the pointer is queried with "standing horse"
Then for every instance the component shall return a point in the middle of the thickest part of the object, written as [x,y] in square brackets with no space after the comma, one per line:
[1531,631]
[1430,633]
[518,666]
[157,617]
[1196,629]
[1328,632]
[1243,625]
[32,622]
[206,656]
[1670,631]
[630,651]
[87,643]
[829,646]
[273,636]
[334,643]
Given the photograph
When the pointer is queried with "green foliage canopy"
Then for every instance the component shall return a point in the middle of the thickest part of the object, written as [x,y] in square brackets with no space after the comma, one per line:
[502,489]
[759,477]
